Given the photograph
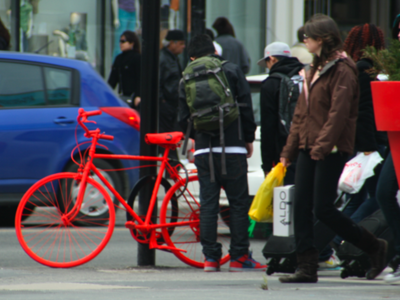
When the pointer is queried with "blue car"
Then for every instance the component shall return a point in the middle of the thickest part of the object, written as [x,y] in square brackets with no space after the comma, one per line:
[39,101]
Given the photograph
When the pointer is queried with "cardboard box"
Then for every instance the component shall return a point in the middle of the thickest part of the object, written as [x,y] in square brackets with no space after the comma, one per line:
[283,210]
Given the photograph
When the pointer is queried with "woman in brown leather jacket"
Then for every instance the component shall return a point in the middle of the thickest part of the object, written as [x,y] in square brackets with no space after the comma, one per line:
[322,135]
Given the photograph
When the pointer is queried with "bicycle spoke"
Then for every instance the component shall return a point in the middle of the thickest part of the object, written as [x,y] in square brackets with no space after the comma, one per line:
[187,237]
[48,237]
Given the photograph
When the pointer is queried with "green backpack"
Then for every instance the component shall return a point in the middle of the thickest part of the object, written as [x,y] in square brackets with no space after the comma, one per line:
[208,94]
[210,101]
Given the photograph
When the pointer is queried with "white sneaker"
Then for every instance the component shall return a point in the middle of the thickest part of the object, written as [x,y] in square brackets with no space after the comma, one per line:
[392,277]
[332,263]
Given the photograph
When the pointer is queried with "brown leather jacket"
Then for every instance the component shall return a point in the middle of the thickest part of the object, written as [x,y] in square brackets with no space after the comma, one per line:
[327,117]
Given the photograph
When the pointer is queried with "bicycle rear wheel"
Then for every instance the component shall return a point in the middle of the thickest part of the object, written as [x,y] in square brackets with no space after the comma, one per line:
[51,239]
[187,237]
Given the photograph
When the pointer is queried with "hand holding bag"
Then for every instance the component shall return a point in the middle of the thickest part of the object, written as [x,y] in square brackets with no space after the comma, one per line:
[261,209]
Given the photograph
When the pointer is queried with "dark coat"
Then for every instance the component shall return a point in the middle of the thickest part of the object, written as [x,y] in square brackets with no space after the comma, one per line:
[126,73]
[367,137]
[170,75]
[272,141]
[234,51]
[327,118]
[241,91]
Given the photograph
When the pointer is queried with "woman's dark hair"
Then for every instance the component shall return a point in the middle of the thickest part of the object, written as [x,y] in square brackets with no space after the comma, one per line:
[132,37]
[223,26]
[325,28]
[362,36]
[200,45]
[300,34]
[4,33]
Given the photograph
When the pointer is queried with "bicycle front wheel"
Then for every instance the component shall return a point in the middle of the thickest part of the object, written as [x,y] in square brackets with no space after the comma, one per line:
[50,238]
[187,237]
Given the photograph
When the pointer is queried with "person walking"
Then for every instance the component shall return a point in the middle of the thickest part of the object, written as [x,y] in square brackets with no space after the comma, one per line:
[4,37]
[232,49]
[322,134]
[368,139]
[277,58]
[126,68]
[235,180]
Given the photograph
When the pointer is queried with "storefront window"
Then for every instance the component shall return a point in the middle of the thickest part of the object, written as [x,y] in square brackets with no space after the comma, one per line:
[57,28]
[124,15]
[249,22]
[349,13]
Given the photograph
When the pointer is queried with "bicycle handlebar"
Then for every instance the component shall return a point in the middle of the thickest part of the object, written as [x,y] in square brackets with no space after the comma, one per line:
[82,118]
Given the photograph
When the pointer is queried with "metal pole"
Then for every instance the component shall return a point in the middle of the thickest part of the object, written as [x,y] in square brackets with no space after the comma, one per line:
[149,110]
[15,25]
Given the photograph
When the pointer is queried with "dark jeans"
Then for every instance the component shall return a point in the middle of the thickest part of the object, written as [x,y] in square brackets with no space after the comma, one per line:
[315,193]
[364,203]
[386,192]
[235,185]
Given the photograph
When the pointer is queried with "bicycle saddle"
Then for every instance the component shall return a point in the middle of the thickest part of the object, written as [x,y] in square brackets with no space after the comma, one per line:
[166,139]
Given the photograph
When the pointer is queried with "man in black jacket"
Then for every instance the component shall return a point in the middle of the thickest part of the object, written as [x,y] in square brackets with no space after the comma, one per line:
[235,182]
[277,59]
[170,75]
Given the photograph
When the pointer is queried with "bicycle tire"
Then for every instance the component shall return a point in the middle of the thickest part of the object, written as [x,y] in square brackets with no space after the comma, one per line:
[134,197]
[49,240]
[187,237]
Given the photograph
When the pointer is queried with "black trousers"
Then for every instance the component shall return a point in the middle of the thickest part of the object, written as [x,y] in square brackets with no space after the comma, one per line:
[316,190]
[236,189]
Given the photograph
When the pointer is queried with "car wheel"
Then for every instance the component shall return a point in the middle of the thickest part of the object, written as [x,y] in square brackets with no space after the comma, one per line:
[95,209]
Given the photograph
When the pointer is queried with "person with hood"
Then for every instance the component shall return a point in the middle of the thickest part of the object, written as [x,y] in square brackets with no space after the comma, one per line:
[387,189]
[232,49]
[322,137]
[277,58]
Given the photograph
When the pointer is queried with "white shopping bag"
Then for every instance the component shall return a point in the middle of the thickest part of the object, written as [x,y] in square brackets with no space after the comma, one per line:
[357,170]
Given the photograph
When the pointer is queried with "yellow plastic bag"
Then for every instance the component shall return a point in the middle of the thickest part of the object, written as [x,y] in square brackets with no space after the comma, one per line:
[261,209]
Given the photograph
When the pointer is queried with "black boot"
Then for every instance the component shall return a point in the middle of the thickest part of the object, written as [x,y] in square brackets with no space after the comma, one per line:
[376,250]
[307,265]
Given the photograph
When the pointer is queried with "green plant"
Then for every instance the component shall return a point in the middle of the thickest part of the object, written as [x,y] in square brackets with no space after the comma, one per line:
[385,61]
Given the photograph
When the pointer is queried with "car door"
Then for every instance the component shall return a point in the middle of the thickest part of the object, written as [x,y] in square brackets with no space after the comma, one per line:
[38,109]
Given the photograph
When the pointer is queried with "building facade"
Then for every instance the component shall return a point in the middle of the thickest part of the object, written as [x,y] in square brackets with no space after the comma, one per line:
[90,29]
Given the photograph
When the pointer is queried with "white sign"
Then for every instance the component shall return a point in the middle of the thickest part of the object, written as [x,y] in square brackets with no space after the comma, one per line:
[283,210]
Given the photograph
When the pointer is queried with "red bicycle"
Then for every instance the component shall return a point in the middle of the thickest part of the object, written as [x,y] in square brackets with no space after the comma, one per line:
[52,225]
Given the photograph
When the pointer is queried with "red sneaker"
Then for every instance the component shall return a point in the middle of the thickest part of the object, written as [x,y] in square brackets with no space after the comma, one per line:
[211,265]
[246,263]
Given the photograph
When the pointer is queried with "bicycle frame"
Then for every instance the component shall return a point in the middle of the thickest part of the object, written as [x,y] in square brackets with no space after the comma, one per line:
[144,226]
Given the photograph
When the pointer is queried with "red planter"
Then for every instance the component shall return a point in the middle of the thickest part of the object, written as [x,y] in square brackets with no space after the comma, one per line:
[386,99]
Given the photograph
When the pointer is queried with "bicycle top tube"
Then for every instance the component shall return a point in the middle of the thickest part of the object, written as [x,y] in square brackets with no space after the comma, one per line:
[170,140]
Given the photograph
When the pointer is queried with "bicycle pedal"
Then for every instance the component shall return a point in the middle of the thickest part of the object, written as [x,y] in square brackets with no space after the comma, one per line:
[168,248]
[130,225]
